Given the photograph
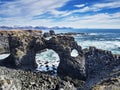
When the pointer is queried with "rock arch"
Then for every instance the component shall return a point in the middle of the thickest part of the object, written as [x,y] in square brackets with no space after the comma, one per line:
[69,66]
[25,45]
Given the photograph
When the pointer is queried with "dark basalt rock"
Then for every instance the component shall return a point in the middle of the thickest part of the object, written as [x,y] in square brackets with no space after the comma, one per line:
[52,32]
[69,66]
[49,34]
[108,84]
[93,65]
[22,80]
[4,46]
[99,60]
[46,34]
[100,66]
[25,45]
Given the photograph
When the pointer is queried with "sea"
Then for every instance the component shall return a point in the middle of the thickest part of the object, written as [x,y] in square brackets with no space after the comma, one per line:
[107,39]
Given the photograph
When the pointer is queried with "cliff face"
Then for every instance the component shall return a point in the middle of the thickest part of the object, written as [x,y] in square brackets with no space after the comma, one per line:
[102,70]
[22,49]
[93,65]
[4,47]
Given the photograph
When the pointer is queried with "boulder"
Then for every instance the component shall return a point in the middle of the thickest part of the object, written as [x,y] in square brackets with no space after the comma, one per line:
[52,32]
[46,34]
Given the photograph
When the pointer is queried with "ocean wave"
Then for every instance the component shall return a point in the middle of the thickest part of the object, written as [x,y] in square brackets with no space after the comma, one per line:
[47,60]
[106,45]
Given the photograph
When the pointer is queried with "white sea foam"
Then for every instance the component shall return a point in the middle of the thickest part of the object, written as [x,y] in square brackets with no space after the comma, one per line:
[48,38]
[106,45]
[74,53]
[93,33]
[3,56]
[47,60]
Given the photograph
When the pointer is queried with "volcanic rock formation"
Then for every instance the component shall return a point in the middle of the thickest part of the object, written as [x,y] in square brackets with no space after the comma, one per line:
[25,44]
[11,79]
[99,68]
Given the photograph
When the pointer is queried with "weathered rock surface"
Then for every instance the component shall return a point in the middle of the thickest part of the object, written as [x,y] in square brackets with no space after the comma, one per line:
[52,32]
[101,66]
[93,65]
[4,46]
[69,66]
[11,79]
[109,84]
[49,34]
[25,44]
[46,34]
[100,60]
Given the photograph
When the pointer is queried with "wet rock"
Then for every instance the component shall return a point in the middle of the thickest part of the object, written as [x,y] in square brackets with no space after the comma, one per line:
[46,62]
[46,34]
[52,32]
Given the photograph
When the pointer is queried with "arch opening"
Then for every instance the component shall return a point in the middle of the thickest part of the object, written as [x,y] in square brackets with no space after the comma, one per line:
[3,56]
[74,53]
[4,47]
[48,61]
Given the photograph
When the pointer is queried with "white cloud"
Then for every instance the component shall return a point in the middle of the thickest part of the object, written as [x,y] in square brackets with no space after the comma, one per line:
[67,13]
[80,5]
[114,4]
[95,7]
[102,20]
[21,12]
[30,7]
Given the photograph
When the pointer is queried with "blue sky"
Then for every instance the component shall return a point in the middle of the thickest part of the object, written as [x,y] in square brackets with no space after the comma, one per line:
[68,13]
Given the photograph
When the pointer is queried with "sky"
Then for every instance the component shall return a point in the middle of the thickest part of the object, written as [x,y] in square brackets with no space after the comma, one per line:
[62,13]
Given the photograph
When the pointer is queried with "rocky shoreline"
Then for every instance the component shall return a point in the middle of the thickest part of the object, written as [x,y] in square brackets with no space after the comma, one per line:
[92,69]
